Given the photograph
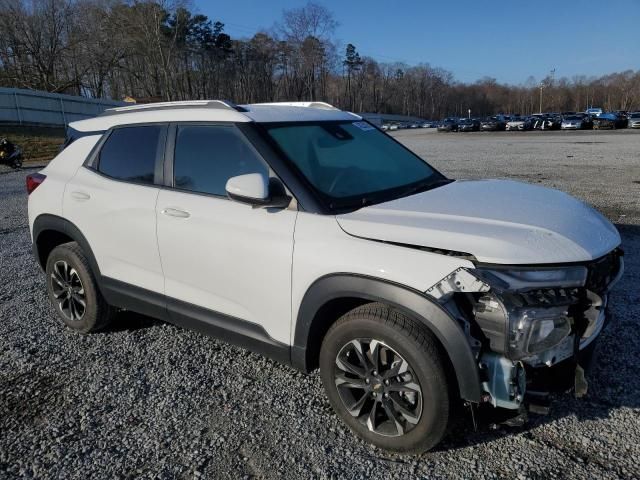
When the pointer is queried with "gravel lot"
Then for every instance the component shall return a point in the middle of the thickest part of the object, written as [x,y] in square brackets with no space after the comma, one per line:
[150,400]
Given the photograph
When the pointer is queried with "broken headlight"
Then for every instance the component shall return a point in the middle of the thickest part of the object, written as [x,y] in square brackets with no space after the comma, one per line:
[526,312]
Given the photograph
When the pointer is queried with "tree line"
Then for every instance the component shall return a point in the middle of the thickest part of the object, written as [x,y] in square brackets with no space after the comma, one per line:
[155,50]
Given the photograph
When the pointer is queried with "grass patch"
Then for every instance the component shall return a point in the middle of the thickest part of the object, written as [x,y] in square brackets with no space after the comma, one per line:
[39,144]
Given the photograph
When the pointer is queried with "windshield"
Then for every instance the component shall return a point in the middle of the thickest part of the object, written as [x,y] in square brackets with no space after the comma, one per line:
[352,164]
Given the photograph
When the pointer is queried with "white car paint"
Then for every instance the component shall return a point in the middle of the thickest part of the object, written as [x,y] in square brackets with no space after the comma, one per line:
[59,171]
[322,248]
[497,221]
[515,124]
[228,257]
[257,264]
[251,185]
[118,220]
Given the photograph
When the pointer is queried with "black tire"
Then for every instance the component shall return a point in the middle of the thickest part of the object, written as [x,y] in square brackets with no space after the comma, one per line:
[96,313]
[414,344]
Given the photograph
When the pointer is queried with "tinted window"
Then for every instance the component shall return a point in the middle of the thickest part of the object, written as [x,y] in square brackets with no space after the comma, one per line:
[130,153]
[350,159]
[207,156]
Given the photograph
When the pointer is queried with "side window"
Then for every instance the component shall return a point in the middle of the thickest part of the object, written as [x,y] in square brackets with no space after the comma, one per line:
[130,153]
[206,156]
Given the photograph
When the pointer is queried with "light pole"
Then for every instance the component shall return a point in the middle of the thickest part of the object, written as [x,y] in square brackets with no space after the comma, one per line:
[541,87]
[469,113]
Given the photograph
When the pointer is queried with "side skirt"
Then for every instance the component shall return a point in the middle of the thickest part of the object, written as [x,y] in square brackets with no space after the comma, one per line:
[218,325]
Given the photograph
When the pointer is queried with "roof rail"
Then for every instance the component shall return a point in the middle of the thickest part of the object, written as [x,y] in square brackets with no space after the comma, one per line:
[217,104]
[320,105]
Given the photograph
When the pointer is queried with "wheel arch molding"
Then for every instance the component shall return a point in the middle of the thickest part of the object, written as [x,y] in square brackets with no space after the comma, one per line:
[357,289]
[46,227]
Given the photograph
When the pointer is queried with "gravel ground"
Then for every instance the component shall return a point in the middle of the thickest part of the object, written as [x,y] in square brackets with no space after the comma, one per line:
[149,400]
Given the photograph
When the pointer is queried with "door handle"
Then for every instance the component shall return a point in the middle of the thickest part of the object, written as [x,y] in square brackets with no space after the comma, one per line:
[80,195]
[176,212]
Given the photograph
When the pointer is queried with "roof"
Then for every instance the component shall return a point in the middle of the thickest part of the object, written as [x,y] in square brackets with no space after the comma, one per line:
[213,111]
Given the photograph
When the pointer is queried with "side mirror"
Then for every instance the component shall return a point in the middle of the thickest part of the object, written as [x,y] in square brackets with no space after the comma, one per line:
[257,190]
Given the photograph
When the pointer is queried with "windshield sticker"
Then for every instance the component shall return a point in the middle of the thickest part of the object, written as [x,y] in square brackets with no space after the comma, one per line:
[364,126]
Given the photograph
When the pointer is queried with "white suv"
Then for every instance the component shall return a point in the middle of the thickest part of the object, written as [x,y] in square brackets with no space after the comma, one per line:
[307,234]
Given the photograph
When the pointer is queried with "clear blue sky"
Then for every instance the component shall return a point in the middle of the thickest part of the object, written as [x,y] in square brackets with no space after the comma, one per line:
[507,40]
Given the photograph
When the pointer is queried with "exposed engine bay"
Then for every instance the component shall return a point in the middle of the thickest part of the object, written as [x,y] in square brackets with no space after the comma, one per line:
[531,328]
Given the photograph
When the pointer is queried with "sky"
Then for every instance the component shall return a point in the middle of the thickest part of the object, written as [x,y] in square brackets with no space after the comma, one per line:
[507,40]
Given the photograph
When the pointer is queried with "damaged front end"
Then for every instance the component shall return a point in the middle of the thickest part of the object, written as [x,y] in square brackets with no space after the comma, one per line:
[532,328]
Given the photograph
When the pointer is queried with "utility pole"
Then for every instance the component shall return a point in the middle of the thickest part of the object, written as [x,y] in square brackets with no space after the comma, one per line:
[541,87]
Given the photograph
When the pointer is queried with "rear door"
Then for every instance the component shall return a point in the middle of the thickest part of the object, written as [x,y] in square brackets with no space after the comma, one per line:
[112,201]
[217,254]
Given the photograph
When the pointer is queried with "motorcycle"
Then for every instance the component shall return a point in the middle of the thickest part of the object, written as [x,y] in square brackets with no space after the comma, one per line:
[10,154]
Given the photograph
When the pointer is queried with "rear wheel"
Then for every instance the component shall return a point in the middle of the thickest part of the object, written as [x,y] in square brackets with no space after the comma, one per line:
[73,290]
[384,377]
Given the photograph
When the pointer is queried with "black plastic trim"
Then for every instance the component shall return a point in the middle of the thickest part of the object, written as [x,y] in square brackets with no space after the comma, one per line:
[229,329]
[411,302]
[47,221]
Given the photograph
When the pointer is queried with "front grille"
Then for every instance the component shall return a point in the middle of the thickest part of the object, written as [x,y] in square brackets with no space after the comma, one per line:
[602,271]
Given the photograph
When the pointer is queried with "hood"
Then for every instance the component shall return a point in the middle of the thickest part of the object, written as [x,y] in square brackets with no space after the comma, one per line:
[497,221]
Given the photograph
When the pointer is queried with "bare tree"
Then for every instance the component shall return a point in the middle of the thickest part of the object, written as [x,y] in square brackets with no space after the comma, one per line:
[161,49]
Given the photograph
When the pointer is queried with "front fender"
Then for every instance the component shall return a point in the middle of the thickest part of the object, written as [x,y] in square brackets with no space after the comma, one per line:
[411,302]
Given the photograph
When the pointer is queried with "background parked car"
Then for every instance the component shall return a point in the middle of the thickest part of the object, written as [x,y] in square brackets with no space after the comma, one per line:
[594,111]
[469,125]
[609,120]
[576,122]
[519,123]
[448,125]
[546,121]
[492,124]
[633,120]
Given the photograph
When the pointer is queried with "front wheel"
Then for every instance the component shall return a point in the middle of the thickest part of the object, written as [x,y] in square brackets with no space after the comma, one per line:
[384,377]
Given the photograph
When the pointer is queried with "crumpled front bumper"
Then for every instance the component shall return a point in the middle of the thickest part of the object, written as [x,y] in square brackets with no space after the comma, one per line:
[563,367]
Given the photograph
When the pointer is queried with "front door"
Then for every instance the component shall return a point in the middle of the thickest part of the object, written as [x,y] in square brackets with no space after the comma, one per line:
[218,254]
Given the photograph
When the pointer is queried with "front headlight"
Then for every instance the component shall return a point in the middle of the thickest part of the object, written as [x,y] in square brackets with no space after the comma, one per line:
[521,279]
[527,310]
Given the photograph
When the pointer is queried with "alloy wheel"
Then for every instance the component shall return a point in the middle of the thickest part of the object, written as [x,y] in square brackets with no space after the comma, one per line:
[378,387]
[68,291]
